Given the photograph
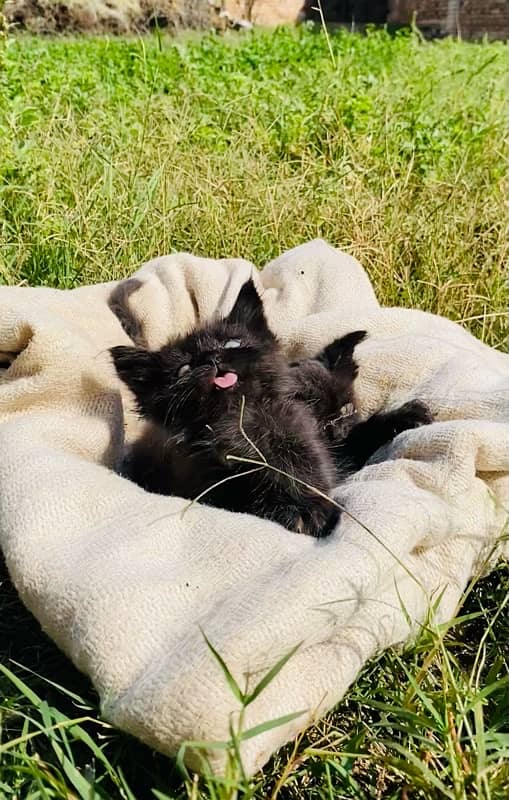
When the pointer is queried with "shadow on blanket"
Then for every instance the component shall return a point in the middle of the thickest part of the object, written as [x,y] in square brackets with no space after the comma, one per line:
[28,653]
[23,642]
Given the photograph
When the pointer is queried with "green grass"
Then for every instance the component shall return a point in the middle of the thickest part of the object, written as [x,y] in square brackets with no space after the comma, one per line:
[114,151]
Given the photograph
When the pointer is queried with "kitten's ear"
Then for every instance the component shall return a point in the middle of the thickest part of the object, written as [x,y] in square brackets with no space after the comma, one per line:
[140,370]
[339,354]
[248,310]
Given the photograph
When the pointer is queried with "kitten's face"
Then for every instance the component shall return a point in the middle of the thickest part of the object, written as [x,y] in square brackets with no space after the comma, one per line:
[201,376]
[326,384]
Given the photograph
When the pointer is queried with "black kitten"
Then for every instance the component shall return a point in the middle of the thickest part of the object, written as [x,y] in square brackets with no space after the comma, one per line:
[225,396]
[200,388]
[326,385]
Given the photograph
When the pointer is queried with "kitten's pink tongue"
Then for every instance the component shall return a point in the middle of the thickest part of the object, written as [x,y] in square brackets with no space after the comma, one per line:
[226,380]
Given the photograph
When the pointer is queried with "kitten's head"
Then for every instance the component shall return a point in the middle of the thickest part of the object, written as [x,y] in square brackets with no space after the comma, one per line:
[326,384]
[201,376]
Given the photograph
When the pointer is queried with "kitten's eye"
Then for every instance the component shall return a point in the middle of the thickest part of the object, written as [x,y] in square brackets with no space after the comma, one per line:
[183,369]
[231,343]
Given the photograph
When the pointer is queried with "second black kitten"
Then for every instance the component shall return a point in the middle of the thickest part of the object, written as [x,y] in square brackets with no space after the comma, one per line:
[325,384]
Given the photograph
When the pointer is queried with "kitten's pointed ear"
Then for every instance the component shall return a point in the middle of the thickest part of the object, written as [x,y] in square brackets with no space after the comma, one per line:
[339,354]
[248,309]
[140,370]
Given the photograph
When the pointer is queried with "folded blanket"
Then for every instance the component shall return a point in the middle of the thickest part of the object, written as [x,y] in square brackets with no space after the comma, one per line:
[127,585]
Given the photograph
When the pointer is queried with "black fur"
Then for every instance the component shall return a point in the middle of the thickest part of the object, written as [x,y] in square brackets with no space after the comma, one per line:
[202,422]
[326,384]
[299,418]
[365,438]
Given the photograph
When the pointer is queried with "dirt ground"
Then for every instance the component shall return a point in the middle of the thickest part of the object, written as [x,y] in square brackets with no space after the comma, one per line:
[265,12]
[124,16]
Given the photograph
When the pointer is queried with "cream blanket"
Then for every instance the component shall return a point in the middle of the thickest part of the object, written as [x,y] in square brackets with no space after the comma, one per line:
[125,584]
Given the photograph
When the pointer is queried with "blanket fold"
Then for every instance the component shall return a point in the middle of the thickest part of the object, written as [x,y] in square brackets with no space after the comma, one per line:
[126,582]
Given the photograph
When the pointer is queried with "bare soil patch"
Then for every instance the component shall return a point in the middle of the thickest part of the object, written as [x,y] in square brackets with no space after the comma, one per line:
[133,16]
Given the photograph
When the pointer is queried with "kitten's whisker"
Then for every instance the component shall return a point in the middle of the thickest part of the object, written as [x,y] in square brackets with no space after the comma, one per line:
[175,404]
[168,410]
[185,397]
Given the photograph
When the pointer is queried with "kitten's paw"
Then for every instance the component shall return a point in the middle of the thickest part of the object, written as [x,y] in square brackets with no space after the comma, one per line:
[413,414]
[317,518]
[338,428]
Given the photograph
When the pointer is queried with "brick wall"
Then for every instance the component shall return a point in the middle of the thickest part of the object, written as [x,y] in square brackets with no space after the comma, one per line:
[426,12]
[489,16]
[469,18]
